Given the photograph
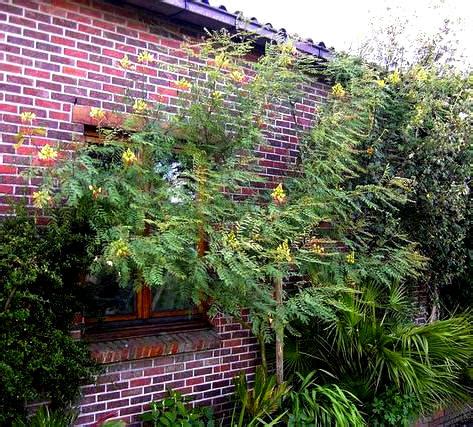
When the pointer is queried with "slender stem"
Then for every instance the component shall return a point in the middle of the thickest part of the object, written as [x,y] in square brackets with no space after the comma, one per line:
[262,345]
[279,330]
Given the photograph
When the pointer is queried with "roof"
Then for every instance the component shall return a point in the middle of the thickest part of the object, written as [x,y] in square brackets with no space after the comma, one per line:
[202,13]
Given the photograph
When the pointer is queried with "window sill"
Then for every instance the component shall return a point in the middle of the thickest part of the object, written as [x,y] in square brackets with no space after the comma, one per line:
[160,344]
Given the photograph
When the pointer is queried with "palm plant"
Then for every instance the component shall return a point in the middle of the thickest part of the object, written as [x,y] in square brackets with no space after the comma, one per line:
[374,347]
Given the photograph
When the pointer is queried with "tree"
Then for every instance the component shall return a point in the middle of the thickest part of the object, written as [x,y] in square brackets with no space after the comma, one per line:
[423,132]
[163,200]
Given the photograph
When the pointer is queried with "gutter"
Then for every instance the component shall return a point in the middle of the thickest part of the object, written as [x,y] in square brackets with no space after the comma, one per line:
[202,14]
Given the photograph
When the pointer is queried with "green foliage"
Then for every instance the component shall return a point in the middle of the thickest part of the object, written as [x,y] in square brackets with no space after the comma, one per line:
[324,405]
[421,129]
[266,403]
[175,411]
[46,418]
[394,409]
[39,358]
[373,349]
[260,401]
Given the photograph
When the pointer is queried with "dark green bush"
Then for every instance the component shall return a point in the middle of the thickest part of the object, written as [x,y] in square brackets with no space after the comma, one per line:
[39,267]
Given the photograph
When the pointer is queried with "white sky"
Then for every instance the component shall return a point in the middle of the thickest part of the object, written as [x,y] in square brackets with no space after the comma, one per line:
[343,24]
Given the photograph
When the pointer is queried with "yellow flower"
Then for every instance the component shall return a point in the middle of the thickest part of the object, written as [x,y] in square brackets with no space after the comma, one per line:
[144,57]
[27,117]
[140,106]
[278,194]
[183,84]
[380,82]
[96,191]
[47,153]
[129,157]
[288,47]
[120,248]
[394,78]
[217,95]
[420,114]
[283,252]
[370,151]
[338,91]
[231,240]
[259,122]
[351,258]
[221,61]
[97,113]
[41,198]
[421,75]
[318,249]
[125,63]
[237,76]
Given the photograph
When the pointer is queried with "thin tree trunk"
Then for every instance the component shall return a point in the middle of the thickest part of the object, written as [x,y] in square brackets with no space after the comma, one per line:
[262,345]
[279,330]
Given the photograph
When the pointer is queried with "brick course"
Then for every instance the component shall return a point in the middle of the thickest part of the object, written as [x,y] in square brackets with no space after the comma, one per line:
[55,54]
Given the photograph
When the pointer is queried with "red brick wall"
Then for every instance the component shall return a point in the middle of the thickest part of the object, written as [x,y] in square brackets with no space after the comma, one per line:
[54,53]
[125,389]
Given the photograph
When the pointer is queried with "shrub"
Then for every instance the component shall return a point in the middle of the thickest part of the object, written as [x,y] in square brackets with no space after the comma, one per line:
[39,358]
[173,411]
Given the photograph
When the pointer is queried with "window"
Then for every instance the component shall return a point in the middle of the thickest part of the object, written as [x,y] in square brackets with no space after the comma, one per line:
[114,311]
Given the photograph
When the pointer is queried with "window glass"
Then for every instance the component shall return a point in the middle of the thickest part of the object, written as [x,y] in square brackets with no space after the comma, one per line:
[169,297]
[107,298]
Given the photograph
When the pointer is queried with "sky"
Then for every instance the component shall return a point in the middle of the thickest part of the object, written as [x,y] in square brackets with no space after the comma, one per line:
[345,24]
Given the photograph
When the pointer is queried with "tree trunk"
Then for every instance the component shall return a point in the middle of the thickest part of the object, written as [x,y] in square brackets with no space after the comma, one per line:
[279,330]
[262,345]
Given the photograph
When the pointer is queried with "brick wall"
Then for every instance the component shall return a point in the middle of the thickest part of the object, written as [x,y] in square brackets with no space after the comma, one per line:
[55,54]
[125,389]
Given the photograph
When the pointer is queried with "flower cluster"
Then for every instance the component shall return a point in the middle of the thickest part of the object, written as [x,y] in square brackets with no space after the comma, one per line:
[283,252]
[221,61]
[217,96]
[338,91]
[278,194]
[97,113]
[351,258]
[380,82]
[120,249]
[183,84]
[129,157]
[47,153]
[144,57]
[421,75]
[237,76]
[318,249]
[125,63]
[370,151]
[96,191]
[41,198]
[394,78]
[27,117]
[140,106]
